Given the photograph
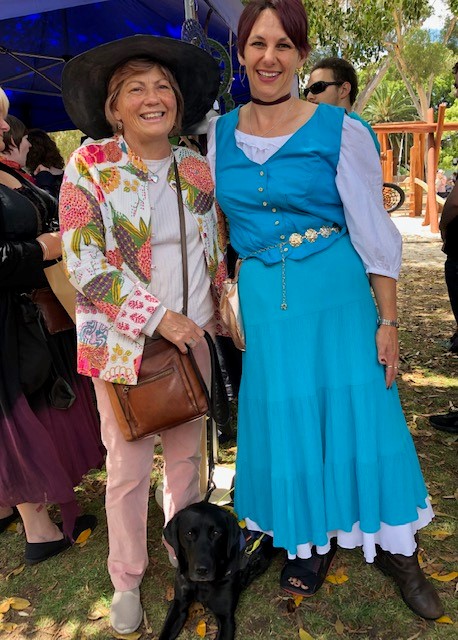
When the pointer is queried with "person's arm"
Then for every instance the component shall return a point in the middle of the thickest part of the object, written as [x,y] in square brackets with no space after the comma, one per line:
[372,232]
[127,303]
[22,261]
[387,336]
[450,211]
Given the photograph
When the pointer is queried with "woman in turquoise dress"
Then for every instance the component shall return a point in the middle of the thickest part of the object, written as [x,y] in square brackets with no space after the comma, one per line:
[325,458]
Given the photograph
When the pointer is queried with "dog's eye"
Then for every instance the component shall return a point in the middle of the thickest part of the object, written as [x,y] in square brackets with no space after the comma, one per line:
[215,534]
[188,534]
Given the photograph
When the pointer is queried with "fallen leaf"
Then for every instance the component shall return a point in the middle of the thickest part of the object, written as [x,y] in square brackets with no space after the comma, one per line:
[298,600]
[18,604]
[439,534]
[201,628]
[1,616]
[169,593]
[5,605]
[12,527]
[99,612]
[8,626]
[16,571]
[83,536]
[445,578]
[196,610]
[135,635]
[335,578]
[303,635]
[339,627]
[24,614]
[146,623]
[444,620]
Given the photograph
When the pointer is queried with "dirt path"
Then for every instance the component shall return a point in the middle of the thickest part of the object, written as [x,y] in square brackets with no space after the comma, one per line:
[420,247]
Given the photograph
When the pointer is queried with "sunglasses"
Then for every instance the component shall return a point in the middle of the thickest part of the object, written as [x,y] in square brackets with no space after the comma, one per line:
[319,87]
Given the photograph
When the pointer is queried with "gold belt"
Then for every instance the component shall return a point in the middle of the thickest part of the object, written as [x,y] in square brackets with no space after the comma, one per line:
[295,240]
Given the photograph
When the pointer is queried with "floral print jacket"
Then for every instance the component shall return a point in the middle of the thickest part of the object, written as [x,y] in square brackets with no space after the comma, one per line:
[105,222]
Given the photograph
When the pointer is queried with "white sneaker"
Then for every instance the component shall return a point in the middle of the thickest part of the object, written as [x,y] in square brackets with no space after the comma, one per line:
[126,613]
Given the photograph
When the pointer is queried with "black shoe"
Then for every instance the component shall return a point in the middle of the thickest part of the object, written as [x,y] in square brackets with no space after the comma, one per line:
[82,523]
[447,422]
[4,522]
[36,552]
[454,343]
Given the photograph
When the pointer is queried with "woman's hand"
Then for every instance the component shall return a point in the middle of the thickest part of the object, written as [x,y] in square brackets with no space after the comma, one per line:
[180,330]
[388,352]
[41,167]
[53,244]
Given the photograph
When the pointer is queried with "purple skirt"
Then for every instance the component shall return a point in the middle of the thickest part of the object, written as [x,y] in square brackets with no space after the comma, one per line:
[44,452]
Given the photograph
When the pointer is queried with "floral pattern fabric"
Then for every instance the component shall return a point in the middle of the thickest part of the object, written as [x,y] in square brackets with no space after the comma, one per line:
[105,222]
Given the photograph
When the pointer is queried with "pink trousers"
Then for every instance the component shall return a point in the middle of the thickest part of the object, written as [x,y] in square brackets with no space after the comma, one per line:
[129,467]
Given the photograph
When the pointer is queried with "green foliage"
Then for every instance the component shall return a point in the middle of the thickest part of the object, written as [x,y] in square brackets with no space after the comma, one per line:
[424,58]
[389,103]
[358,29]
[67,141]
[442,90]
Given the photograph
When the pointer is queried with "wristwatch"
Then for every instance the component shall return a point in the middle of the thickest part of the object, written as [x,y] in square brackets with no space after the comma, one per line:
[388,323]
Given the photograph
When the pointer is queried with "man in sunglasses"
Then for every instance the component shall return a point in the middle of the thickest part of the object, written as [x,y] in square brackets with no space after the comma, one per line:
[334,81]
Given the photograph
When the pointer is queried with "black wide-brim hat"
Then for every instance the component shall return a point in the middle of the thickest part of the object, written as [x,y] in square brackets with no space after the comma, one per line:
[85,79]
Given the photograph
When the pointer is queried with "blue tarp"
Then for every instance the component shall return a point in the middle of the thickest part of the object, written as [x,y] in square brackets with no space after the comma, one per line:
[34,46]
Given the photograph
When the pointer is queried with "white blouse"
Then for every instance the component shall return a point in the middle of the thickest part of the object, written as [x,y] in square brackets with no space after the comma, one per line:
[359,183]
[166,278]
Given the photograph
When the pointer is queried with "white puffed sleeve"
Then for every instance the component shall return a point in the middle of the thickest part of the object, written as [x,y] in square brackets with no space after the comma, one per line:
[359,182]
[211,144]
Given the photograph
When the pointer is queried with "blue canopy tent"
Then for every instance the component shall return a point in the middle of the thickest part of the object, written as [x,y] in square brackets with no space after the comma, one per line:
[38,36]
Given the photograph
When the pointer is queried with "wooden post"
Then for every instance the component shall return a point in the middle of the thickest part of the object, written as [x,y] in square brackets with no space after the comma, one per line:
[416,171]
[431,216]
[389,166]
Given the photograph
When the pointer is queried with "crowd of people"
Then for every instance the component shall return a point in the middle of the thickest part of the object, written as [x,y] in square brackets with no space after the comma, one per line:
[324,456]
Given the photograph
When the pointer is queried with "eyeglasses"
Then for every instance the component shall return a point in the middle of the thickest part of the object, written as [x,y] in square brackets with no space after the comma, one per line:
[319,87]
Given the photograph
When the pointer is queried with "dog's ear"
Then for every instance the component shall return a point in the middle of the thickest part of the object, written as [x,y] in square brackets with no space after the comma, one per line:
[233,535]
[171,532]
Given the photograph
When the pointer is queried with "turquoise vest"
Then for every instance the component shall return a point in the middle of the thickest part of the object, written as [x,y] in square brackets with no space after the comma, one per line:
[292,192]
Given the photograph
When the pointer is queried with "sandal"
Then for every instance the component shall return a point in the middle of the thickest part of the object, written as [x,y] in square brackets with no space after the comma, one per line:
[303,577]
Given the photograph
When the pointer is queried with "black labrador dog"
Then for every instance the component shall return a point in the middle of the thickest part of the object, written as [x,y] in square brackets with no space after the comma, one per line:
[213,566]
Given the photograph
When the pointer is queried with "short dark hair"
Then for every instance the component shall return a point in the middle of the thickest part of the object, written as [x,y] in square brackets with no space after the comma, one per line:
[17,131]
[455,68]
[291,14]
[43,151]
[343,71]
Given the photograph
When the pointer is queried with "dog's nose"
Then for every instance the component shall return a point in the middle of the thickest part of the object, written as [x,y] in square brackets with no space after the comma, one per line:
[202,571]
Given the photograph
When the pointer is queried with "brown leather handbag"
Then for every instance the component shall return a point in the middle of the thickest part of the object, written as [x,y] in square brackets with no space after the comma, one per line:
[53,313]
[170,390]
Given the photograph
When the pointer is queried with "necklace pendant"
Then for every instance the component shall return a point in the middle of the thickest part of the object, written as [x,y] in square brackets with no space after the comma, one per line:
[154,178]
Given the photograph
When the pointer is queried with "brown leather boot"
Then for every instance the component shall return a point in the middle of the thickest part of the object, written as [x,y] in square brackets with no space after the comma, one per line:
[418,594]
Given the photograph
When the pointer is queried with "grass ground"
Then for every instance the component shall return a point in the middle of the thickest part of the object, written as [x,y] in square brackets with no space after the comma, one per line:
[67,591]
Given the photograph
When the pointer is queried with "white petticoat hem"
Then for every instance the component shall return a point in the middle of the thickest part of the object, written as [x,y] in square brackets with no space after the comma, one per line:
[395,539]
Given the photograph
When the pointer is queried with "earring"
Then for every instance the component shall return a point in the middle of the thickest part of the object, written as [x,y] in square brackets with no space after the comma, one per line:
[242,74]
[119,125]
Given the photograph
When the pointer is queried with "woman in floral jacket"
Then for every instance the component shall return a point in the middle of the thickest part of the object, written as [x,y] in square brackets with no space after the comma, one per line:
[121,236]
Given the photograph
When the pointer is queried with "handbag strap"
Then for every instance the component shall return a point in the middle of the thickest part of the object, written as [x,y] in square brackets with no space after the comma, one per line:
[184,252]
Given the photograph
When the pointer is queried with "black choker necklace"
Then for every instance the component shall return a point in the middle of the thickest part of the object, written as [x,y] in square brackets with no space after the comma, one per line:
[269,104]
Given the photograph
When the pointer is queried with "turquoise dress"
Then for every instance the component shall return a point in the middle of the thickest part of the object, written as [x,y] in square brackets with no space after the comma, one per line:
[323,446]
